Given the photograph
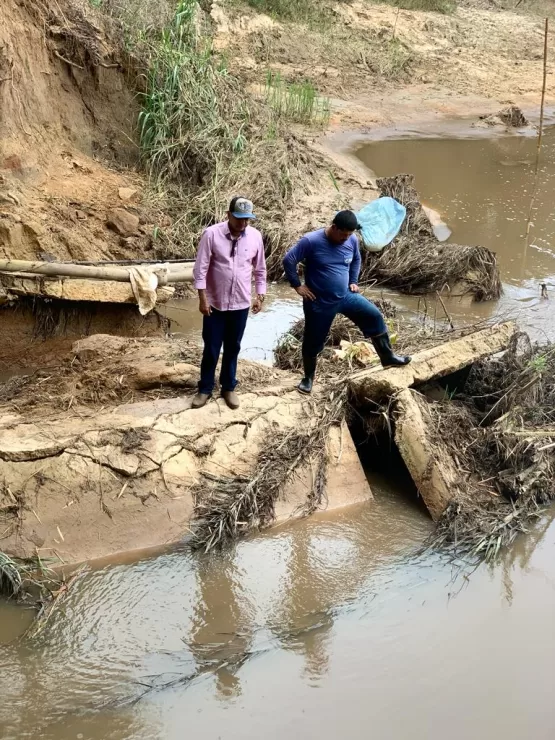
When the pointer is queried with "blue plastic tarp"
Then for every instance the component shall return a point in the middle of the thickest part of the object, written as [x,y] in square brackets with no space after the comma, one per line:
[380,222]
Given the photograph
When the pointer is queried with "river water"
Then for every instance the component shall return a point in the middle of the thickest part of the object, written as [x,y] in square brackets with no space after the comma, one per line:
[334,626]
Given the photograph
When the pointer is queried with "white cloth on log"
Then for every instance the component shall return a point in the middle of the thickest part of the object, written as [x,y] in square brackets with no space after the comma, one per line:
[144,282]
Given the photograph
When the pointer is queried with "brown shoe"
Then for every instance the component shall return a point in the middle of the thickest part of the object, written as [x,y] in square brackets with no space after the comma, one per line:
[200,400]
[232,399]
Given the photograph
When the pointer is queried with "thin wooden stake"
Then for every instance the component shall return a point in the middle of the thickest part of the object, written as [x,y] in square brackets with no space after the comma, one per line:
[539,144]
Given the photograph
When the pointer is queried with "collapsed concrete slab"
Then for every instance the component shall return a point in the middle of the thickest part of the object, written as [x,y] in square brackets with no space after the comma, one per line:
[437,362]
[431,466]
[79,486]
[107,455]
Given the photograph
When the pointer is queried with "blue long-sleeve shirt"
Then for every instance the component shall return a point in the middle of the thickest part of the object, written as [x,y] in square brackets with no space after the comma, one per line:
[329,268]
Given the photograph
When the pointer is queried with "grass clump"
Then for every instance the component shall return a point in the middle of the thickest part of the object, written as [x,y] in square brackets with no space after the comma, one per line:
[311,13]
[15,575]
[435,6]
[11,578]
[297,102]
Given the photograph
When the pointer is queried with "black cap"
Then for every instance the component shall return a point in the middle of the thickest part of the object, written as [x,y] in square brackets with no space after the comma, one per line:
[346,221]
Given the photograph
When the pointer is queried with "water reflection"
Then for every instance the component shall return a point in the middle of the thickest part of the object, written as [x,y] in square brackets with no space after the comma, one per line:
[137,648]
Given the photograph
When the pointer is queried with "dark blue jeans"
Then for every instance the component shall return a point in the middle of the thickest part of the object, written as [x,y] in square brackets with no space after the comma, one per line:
[227,328]
[319,318]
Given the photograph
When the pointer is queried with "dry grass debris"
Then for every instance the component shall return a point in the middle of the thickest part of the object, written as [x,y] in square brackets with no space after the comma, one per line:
[417,263]
[501,433]
[227,508]
[511,117]
[113,377]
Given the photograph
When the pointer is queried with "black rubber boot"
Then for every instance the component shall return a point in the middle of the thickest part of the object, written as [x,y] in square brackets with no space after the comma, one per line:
[388,358]
[305,386]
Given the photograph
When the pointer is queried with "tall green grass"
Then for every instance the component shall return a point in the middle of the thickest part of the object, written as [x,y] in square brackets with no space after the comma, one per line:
[297,102]
[194,127]
[192,118]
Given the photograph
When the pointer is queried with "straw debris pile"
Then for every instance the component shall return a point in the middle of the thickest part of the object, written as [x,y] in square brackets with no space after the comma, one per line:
[230,507]
[501,433]
[417,263]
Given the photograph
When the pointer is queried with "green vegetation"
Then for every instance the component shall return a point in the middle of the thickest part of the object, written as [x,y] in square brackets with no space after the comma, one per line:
[436,6]
[191,117]
[315,12]
[310,12]
[297,102]
[194,125]
[203,137]
[538,364]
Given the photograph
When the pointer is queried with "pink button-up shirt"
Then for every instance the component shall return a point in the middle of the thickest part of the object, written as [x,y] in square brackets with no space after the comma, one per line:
[226,279]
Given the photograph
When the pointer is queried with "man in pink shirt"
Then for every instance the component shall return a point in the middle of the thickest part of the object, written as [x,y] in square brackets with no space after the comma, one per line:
[228,254]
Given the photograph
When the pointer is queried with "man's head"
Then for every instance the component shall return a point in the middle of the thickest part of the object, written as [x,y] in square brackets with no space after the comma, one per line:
[239,214]
[343,225]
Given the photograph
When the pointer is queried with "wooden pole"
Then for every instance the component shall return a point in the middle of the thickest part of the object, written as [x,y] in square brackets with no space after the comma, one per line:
[120,274]
[540,132]
[539,143]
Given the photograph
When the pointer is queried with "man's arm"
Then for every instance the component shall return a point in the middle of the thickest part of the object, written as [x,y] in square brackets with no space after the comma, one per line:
[259,269]
[295,255]
[354,268]
[200,271]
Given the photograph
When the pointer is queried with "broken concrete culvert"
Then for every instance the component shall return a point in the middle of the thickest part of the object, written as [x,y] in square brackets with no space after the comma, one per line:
[91,468]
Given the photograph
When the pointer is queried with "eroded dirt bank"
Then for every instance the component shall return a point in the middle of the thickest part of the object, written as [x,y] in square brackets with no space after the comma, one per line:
[69,108]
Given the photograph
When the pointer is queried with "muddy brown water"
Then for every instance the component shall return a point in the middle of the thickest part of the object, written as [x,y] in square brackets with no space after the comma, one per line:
[338,625]
[482,189]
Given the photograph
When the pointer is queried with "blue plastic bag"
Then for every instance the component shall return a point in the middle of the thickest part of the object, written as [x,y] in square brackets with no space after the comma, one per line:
[380,222]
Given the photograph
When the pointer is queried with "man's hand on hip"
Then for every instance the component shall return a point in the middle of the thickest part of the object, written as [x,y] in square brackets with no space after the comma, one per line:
[257,304]
[305,293]
[353,287]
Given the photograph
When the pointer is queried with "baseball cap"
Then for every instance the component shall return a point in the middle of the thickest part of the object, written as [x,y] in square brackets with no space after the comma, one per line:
[241,208]
[346,221]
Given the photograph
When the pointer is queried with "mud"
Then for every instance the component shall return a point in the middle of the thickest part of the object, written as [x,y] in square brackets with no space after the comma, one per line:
[38,335]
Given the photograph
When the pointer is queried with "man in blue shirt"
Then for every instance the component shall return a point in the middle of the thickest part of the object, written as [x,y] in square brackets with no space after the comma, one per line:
[331,267]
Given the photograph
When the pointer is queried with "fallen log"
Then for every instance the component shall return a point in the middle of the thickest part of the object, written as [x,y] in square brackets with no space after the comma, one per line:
[104,272]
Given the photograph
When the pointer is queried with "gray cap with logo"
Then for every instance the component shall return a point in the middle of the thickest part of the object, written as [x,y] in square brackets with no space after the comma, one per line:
[241,208]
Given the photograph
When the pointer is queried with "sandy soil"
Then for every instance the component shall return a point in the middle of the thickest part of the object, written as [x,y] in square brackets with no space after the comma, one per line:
[462,66]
